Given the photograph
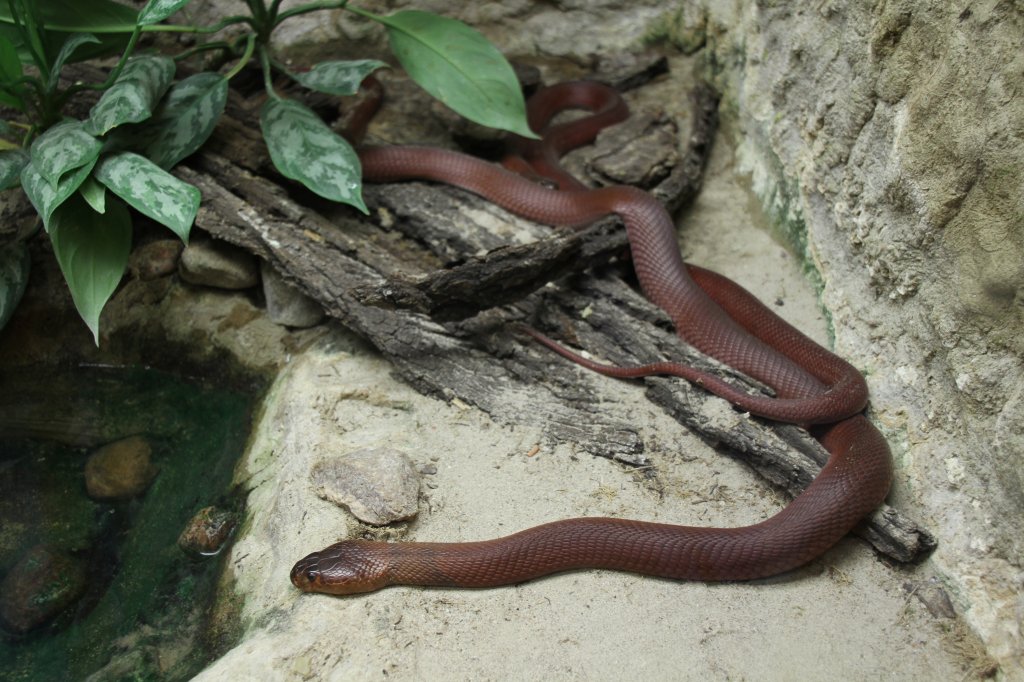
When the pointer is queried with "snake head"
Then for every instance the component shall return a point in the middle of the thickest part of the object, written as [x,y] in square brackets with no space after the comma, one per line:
[347,567]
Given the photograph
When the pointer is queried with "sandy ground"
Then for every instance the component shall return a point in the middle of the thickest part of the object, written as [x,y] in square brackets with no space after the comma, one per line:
[844,617]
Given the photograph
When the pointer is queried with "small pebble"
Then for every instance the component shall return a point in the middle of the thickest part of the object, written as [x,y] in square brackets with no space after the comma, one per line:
[934,597]
[120,470]
[286,305]
[43,583]
[379,486]
[207,531]
[156,259]
[217,264]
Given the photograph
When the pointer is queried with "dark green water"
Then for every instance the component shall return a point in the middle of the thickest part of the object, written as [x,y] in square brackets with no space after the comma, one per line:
[148,604]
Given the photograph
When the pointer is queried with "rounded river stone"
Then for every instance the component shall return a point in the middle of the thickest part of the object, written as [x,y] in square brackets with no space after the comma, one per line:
[119,470]
[43,583]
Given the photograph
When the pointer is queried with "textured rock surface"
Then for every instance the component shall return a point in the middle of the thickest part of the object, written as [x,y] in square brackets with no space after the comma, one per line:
[377,485]
[887,141]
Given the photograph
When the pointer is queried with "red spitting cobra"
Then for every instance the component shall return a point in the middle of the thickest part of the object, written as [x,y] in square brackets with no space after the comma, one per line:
[712,313]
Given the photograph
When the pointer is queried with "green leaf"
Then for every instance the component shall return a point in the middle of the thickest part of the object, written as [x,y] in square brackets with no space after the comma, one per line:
[111,21]
[12,161]
[184,120]
[69,46]
[78,16]
[64,147]
[10,64]
[14,268]
[303,148]
[458,66]
[338,77]
[44,196]
[92,251]
[10,72]
[94,194]
[156,11]
[151,190]
[133,95]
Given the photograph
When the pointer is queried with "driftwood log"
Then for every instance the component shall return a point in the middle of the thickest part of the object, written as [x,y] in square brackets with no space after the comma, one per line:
[437,279]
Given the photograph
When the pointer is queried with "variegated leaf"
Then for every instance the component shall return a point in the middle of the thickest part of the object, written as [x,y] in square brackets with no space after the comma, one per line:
[64,147]
[156,11]
[185,119]
[303,148]
[66,50]
[92,251]
[338,77]
[151,190]
[134,94]
[14,267]
[44,196]
[12,161]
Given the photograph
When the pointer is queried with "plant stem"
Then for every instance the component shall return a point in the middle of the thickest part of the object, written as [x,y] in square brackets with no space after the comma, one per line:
[111,77]
[250,45]
[312,7]
[204,47]
[219,26]
[26,24]
[364,13]
[267,80]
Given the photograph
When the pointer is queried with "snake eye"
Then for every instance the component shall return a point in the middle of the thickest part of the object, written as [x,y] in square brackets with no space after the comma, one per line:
[312,574]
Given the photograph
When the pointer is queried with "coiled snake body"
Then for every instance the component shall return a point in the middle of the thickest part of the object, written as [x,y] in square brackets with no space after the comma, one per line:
[712,313]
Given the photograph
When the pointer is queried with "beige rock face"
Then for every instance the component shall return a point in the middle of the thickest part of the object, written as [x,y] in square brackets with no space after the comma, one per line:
[887,140]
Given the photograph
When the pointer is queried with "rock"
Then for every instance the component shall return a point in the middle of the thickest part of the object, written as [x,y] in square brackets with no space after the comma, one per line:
[286,305]
[217,264]
[155,259]
[43,583]
[379,485]
[207,531]
[119,470]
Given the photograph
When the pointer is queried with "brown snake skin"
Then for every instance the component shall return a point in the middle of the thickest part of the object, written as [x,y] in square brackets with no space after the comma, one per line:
[712,313]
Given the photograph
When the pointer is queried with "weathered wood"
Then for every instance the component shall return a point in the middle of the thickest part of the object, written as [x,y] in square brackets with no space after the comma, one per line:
[443,251]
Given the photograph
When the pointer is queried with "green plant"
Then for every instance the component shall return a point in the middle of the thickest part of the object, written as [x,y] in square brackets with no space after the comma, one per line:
[82,175]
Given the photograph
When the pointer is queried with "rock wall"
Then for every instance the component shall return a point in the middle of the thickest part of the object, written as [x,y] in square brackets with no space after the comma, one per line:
[885,141]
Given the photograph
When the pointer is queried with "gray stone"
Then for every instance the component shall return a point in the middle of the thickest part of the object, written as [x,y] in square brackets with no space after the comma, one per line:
[213,263]
[286,305]
[379,485]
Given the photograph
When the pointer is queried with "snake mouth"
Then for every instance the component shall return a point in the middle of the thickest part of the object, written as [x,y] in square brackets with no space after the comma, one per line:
[306,572]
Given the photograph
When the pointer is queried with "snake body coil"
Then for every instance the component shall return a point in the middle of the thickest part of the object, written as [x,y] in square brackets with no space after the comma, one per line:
[710,312]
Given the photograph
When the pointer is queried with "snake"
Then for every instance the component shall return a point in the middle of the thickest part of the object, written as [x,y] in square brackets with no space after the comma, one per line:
[812,387]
